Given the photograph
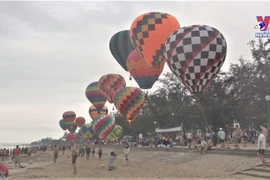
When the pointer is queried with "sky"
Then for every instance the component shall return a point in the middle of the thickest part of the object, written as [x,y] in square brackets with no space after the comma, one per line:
[51,51]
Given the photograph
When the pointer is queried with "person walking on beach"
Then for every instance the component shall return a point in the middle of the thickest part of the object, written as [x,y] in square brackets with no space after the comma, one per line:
[93,148]
[63,149]
[111,159]
[74,153]
[221,137]
[55,151]
[261,147]
[126,154]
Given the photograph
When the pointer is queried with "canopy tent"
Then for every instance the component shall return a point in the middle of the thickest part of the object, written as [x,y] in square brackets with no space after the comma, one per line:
[175,129]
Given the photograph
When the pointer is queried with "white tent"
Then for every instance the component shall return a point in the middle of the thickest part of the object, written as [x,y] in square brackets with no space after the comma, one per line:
[175,129]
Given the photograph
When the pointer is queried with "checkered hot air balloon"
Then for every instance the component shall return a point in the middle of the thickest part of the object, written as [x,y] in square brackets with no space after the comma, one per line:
[144,75]
[69,117]
[95,95]
[116,133]
[87,130]
[148,33]
[195,55]
[94,113]
[120,47]
[109,83]
[103,126]
[129,101]
[63,124]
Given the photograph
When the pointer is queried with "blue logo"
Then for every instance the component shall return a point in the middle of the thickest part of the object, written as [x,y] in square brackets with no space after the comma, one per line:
[264,26]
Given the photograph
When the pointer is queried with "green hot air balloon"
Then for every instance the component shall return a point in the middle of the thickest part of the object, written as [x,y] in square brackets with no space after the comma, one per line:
[63,124]
[103,126]
[117,133]
[120,47]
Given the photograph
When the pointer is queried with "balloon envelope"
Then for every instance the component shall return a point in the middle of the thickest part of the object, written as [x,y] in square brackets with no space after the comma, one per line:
[72,127]
[116,133]
[87,130]
[144,75]
[95,95]
[121,46]
[71,136]
[109,83]
[129,101]
[69,117]
[195,55]
[94,113]
[148,34]
[80,121]
[63,124]
[103,126]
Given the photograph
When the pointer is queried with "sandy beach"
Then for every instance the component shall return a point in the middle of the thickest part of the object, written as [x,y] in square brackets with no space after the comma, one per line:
[143,165]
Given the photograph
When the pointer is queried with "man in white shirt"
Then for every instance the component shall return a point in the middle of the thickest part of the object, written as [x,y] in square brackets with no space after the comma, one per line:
[261,147]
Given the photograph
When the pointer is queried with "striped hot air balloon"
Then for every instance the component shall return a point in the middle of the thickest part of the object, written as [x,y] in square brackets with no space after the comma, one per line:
[69,117]
[129,101]
[120,47]
[149,32]
[95,95]
[94,113]
[144,75]
[103,126]
[109,83]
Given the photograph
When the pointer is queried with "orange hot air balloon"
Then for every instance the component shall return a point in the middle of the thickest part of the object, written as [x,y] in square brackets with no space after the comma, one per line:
[144,75]
[148,34]
[80,121]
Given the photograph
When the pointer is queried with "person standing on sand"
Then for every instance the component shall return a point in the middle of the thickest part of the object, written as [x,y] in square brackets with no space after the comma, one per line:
[126,154]
[87,149]
[17,156]
[189,137]
[56,151]
[93,148]
[221,137]
[261,147]
[100,151]
[74,153]
[236,136]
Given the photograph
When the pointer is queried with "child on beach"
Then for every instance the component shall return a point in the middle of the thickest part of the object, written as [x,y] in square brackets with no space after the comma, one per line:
[203,146]
[100,152]
[56,151]
[112,157]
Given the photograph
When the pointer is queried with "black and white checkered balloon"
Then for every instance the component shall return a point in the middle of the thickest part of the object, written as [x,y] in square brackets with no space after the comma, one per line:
[195,55]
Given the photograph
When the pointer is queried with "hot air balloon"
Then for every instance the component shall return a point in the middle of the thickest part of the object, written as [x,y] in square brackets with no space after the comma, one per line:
[109,83]
[71,136]
[63,124]
[72,127]
[195,55]
[103,126]
[144,75]
[116,133]
[129,101]
[94,113]
[148,34]
[121,46]
[95,95]
[80,121]
[87,130]
[69,117]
